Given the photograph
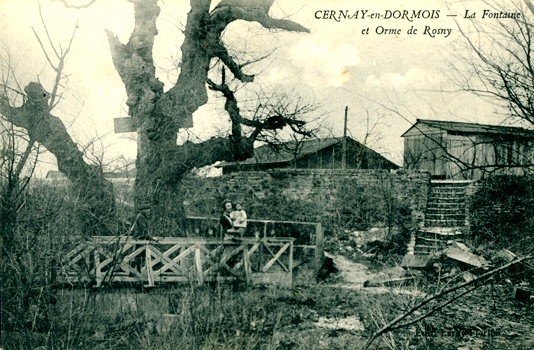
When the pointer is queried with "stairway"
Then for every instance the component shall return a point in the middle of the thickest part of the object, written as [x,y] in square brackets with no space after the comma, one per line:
[446,204]
[445,216]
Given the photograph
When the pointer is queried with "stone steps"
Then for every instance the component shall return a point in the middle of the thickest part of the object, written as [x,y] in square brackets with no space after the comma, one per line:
[445,216]
[446,191]
[445,223]
[446,210]
[444,200]
[446,204]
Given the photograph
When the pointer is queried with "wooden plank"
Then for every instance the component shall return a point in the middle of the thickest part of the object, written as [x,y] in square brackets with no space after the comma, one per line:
[319,248]
[98,272]
[73,252]
[210,256]
[124,125]
[198,265]
[109,250]
[110,259]
[183,254]
[212,253]
[123,264]
[246,263]
[411,260]
[237,267]
[255,220]
[290,262]
[466,257]
[274,255]
[168,264]
[275,259]
[227,257]
[253,249]
[265,229]
[82,255]
[148,266]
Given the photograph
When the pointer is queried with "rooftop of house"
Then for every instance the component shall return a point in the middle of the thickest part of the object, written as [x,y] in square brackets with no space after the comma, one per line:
[285,152]
[473,128]
[56,174]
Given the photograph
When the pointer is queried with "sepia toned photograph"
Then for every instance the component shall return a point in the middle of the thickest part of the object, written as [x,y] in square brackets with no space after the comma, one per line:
[267,175]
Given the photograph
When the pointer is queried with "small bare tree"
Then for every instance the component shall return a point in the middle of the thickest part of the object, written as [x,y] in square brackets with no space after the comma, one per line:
[34,116]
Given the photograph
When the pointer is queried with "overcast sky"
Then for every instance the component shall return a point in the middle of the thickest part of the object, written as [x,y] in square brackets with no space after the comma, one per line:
[338,64]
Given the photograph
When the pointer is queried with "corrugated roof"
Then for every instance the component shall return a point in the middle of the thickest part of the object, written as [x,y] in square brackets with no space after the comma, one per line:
[474,128]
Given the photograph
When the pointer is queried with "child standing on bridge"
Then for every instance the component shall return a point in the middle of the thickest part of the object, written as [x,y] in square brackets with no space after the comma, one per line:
[239,219]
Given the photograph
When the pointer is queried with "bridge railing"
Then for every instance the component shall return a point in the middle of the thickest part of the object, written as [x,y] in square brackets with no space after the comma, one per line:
[308,236]
[264,254]
[175,259]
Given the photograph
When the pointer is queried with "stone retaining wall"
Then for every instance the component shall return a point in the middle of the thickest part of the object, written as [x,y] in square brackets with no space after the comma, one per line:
[307,195]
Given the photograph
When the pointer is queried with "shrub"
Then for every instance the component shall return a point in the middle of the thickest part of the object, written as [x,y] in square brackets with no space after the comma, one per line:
[502,211]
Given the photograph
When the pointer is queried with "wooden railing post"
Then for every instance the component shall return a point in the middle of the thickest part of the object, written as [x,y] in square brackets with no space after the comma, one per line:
[148,263]
[198,264]
[246,264]
[319,247]
[98,273]
[290,262]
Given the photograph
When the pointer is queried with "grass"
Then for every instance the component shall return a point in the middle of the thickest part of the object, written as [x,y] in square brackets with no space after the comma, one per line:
[226,316]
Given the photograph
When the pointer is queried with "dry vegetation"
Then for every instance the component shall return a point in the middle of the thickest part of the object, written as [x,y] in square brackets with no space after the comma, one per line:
[236,316]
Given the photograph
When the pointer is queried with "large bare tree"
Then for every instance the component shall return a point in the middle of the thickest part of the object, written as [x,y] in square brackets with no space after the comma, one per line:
[158,115]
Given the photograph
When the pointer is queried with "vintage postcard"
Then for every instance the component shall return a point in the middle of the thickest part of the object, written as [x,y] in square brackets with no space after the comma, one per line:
[260,174]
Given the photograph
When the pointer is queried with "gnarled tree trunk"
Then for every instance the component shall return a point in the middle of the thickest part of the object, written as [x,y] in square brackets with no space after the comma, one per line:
[161,164]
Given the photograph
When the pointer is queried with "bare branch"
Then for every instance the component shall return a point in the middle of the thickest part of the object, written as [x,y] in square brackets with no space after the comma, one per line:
[530,6]
[220,51]
[395,323]
[500,62]
[257,59]
[275,121]
[46,30]
[44,50]
[256,11]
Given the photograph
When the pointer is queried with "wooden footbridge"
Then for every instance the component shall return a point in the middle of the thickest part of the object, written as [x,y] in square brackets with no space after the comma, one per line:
[265,254]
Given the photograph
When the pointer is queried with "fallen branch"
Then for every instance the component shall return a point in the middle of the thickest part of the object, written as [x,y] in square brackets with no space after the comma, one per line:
[393,325]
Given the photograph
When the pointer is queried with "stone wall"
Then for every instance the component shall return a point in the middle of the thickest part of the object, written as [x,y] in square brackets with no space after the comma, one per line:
[310,195]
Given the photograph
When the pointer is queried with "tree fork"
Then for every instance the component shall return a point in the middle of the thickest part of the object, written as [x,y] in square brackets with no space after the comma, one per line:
[160,163]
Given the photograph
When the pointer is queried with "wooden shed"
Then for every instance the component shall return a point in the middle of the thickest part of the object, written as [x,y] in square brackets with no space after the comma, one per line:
[317,153]
[455,150]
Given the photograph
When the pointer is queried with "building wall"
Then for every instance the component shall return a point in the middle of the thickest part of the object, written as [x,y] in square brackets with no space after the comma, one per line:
[425,153]
[484,154]
[463,157]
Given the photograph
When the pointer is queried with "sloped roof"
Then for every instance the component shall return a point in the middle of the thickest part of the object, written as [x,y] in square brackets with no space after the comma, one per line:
[266,154]
[55,174]
[473,128]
